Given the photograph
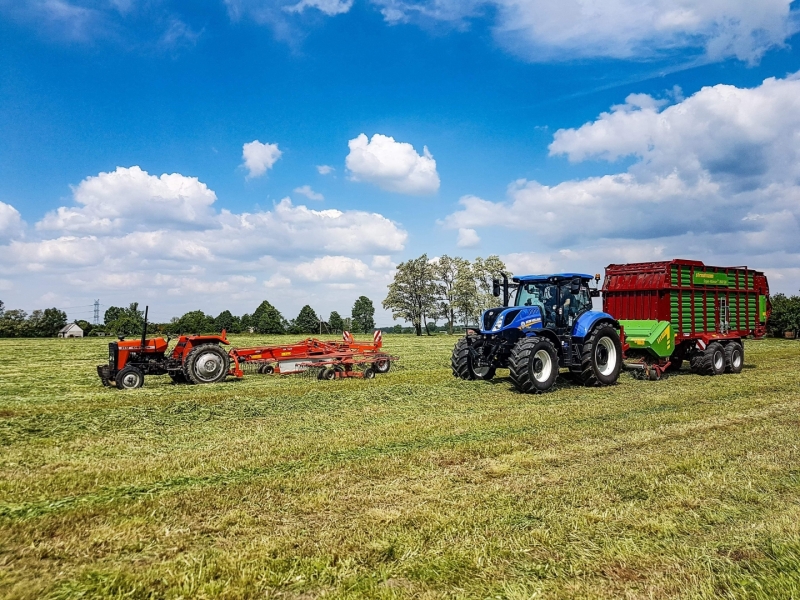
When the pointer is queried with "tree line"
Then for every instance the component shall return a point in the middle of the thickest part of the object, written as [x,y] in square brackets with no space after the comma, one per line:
[15,323]
[785,315]
[265,319]
[446,288]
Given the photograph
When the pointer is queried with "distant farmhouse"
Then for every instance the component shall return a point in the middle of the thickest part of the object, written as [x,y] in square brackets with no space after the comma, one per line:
[71,331]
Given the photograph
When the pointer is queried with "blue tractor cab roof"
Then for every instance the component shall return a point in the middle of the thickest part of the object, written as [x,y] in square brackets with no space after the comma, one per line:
[555,277]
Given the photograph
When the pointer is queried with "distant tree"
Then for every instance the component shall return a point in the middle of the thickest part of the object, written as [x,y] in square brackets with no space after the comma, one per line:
[112,314]
[127,321]
[267,319]
[195,321]
[485,270]
[335,322]
[245,323]
[85,325]
[363,315]
[306,322]
[14,323]
[785,315]
[449,272]
[227,321]
[397,328]
[347,324]
[2,309]
[46,323]
[412,294]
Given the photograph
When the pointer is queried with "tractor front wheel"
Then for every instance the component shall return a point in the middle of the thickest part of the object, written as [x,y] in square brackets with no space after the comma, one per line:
[207,364]
[601,357]
[464,365]
[533,365]
[129,378]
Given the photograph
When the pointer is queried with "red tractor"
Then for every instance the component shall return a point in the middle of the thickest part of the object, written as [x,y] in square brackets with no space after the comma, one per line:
[195,359]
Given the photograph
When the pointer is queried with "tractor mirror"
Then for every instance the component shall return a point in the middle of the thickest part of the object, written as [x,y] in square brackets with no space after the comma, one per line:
[496,288]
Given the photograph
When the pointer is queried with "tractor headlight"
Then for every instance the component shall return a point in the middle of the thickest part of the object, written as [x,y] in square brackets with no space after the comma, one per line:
[498,324]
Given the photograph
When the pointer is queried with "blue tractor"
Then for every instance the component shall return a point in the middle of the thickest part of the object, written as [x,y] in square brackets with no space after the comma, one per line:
[550,326]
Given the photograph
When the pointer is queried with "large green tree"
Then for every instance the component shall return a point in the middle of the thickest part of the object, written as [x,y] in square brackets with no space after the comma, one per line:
[267,319]
[306,322]
[195,321]
[47,322]
[227,321]
[448,273]
[335,322]
[125,321]
[785,315]
[412,294]
[14,323]
[363,315]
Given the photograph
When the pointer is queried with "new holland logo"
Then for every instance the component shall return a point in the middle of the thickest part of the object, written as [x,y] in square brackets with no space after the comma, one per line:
[530,323]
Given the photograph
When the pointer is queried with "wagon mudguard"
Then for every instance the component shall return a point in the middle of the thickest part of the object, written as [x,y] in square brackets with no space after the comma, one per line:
[589,320]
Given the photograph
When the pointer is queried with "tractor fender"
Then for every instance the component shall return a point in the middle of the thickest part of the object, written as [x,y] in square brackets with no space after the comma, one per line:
[589,320]
[550,335]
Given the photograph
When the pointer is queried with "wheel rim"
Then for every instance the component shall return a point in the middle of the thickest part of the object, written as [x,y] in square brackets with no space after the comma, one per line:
[131,380]
[719,360]
[606,356]
[542,366]
[208,366]
[737,359]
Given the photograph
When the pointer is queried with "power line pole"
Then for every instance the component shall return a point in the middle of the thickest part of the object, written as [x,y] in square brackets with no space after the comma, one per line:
[97,312]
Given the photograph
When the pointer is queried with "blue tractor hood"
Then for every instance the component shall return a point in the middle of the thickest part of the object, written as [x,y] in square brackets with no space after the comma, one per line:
[497,320]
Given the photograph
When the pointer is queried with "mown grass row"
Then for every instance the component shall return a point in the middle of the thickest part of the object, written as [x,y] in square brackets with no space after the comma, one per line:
[411,485]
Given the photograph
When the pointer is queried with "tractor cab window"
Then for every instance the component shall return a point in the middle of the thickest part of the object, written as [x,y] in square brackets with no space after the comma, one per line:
[543,295]
[574,303]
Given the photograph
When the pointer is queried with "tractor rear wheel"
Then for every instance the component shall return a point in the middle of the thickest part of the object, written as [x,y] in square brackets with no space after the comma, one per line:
[734,357]
[206,364]
[129,378]
[533,365]
[601,357]
[710,361]
[462,362]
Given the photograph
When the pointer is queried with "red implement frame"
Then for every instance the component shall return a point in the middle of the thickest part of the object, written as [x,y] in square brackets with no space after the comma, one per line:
[311,352]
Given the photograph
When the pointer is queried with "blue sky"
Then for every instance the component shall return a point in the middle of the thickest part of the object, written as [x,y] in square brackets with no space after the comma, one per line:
[559,136]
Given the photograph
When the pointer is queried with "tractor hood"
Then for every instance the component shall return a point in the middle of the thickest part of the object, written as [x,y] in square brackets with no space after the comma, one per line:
[496,320]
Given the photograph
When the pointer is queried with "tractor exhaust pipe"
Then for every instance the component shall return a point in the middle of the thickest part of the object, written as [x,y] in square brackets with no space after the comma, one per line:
[144,329]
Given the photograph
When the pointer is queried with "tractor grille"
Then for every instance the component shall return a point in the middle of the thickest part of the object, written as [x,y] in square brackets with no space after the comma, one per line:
[112,356]
[489,317]
[510,316]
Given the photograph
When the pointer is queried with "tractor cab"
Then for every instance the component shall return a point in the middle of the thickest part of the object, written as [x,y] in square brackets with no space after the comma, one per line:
[561,299]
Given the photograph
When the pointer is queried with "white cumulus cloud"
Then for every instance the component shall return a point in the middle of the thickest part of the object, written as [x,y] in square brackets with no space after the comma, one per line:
[393,166]
[325,169]
[328,7]
[467,238]
[259,158]
[136,236]
[129,198]
[10,222]
[542,30]
[309,193]
[716,176]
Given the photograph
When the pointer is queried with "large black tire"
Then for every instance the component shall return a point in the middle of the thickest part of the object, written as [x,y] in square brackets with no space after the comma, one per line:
[734,357]
[207,363]
[601,357]
[461,363]
[710,361]
[533,365]
[129,378]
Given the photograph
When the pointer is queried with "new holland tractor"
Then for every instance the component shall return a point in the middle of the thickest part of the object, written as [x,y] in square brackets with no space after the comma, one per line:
[550,326]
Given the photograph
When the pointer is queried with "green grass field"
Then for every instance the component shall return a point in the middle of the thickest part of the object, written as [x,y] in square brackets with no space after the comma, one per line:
[410,485]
